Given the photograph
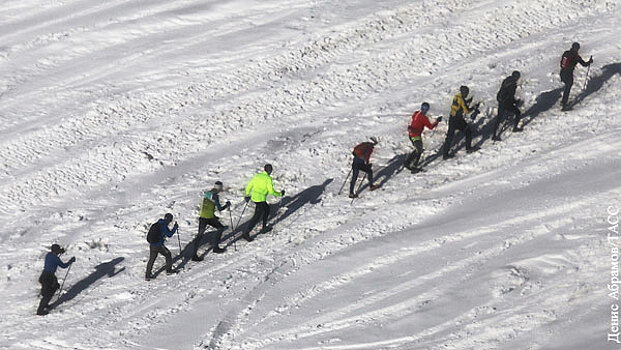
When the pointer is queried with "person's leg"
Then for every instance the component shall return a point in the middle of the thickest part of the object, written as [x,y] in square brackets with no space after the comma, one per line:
[568,79]
[355,166]
[499,117]
[153,250]
[518,114]
[462,125]
[418,150]
[266,214]
[49,285]
[215,223]
[202,225]
[166,253]
[449,137]
[253,221]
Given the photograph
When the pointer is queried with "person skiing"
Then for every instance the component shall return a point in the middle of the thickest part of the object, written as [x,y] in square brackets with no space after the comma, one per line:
[507,103]
[48,280]
[362,153]
[459,108]
[415,131]
[211,201]
[156,239]
[568,63]
[257,190]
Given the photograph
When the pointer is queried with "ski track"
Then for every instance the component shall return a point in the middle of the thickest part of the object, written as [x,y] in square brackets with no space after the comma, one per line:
[112,140]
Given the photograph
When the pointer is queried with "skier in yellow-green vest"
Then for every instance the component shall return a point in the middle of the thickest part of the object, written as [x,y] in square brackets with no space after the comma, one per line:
[211,201]
[259,187]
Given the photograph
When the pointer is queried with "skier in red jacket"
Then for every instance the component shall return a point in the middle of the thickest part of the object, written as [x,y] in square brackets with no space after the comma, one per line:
[362,153]
[569,60]
[415,130]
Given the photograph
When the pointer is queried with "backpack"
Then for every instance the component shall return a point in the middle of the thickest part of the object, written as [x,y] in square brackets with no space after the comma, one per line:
[362,150]
[155,233]
[567,60]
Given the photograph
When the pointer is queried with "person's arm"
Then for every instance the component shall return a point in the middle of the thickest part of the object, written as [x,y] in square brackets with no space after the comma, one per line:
[428,123]
[270,188]
[582,62]
[168,232]
[61,263]
[249,187]
[216,201]
[463,106]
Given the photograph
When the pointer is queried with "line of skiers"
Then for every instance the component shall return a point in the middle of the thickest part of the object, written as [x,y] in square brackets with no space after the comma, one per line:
[261,184]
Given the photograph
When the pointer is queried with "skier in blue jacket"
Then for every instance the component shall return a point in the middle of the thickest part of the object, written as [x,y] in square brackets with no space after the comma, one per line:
[156,238]
[48,280]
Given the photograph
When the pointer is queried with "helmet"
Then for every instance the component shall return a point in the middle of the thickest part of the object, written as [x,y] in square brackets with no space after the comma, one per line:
[56,249]
[575,46]
[218,185]
[516,74]
[268,168]
[424,107]
[464,90]
[374,139]
[168,217]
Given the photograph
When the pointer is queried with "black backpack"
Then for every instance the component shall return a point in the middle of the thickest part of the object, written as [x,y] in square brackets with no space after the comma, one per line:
[155,233]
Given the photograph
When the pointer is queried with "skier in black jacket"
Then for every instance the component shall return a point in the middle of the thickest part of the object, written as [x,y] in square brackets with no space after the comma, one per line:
[507,104]
[568,62]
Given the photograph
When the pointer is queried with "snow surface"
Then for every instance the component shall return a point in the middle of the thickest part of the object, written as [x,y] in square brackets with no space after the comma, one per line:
[115,112]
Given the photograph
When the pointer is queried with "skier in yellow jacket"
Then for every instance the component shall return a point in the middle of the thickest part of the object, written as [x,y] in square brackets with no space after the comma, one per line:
[259,187]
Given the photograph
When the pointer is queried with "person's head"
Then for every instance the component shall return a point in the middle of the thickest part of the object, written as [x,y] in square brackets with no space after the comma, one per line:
[575,47]
[516,74]
[168,218]
[268,168]
[464,91]
[374,140]
[56,249]
[217,186]
[424,107]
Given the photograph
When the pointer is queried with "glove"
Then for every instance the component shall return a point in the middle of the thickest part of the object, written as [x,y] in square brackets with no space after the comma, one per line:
[590,60]
[282,193]
[72,260]
[247,199]
[176,226]
[439,119]
[227,204]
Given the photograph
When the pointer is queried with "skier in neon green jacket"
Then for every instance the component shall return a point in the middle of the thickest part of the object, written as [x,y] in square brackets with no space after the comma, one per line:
[257,190]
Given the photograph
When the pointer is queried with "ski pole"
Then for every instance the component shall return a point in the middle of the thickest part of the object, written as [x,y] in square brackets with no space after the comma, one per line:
[178,240]
[344,182]
[587,75]
[238,221]
[62,285]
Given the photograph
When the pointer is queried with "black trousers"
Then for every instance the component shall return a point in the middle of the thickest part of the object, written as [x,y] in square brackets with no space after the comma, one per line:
[153,251]
[202,225]
[457,123]
[505,111]
[357,166]
[414,157]
[49,286]
[567,77]
[261,211]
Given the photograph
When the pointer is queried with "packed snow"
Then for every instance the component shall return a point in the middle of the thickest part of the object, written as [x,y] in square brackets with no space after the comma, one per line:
[113,113]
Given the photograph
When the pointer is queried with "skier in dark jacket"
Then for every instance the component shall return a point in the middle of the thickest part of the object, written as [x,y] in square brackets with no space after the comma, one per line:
[156,246]
[459,108]
[415,131]
[48,280]
[362,153]
[211,202]
[568,63]
[507,104]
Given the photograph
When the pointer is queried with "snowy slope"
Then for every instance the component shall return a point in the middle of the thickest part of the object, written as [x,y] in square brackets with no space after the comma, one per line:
[113,113]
